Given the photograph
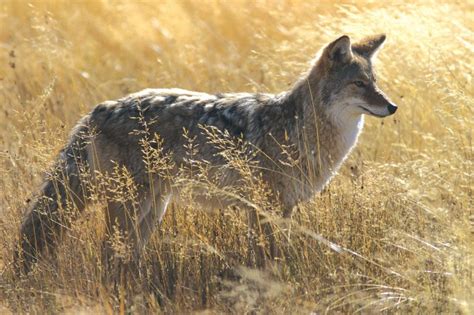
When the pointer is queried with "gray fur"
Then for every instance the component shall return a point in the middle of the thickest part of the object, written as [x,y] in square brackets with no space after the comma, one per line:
[320,117]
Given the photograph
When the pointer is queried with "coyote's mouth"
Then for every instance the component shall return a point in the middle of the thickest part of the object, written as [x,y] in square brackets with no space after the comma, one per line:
[371,112]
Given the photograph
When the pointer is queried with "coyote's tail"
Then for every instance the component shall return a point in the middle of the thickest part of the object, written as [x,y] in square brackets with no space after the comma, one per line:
[62,194]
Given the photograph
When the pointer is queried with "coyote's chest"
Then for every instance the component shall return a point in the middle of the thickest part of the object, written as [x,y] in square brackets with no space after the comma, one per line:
[334,146]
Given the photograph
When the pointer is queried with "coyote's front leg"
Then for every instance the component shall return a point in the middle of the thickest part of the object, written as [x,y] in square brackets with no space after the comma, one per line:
[262,236]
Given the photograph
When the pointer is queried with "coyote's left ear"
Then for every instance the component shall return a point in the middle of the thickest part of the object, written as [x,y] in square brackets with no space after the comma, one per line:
[369,45]
[339,51]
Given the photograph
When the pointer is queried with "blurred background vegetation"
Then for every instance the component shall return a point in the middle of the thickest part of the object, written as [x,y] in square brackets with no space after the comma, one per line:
[399,211]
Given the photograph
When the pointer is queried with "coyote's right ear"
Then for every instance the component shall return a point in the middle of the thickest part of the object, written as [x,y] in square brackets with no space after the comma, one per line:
[340,50]
[369,45]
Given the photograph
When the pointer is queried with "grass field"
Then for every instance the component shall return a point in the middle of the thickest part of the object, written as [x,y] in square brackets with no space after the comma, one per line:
[391,233]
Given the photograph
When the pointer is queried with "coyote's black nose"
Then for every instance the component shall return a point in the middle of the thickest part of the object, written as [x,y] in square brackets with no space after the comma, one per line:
[392,108]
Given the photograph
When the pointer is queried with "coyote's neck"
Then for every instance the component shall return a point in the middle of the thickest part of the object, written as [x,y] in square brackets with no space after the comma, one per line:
[326,136]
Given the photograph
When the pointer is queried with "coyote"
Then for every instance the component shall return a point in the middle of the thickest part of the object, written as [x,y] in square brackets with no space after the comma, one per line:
[321,116]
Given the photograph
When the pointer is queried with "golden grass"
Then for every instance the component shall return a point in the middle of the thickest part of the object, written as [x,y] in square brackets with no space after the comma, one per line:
[390,233]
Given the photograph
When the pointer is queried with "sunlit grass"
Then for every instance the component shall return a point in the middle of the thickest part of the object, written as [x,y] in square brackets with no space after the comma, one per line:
[391,232]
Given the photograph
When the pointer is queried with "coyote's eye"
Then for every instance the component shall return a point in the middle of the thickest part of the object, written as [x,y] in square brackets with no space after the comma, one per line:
[359,83]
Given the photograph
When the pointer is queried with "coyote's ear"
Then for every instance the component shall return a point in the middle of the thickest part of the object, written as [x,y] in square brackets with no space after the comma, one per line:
[369,45]
[340,50]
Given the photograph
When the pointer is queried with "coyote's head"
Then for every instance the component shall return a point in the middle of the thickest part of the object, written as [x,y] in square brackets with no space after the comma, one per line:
[347,84]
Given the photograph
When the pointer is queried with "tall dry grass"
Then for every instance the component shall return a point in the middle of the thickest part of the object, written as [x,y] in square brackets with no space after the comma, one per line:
[391,233]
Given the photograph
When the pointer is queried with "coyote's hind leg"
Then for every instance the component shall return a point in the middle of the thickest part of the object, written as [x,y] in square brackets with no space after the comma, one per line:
[132,222]
[149,220]
[121,244]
